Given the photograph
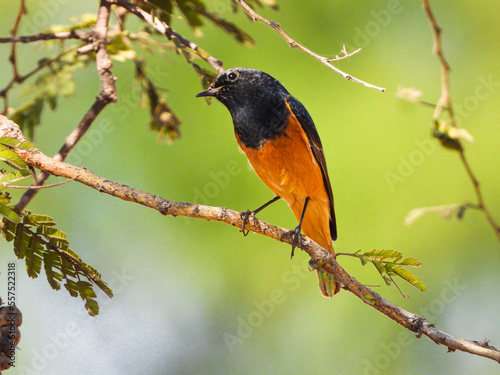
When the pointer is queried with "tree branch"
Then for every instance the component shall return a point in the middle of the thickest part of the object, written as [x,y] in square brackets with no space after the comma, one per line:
[319,256]
[166,30]
[107,94]
[294,44]
[444,102]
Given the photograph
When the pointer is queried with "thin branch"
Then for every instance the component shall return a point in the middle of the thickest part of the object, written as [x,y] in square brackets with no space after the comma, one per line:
[294,44]
[63,35]
[7,186]
[166,30]
[17,23]
[445,99]
[13,55]
[479,195]
[319,256]
[107,94]
[444,102]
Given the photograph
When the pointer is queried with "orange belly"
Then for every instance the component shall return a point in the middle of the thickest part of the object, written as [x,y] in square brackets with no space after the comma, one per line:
[288,167]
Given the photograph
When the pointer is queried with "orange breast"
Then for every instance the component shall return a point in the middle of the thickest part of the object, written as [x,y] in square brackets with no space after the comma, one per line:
[288,167]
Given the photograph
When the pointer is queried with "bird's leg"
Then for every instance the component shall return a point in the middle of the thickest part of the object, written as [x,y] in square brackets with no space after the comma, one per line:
[296,232]
[245,215]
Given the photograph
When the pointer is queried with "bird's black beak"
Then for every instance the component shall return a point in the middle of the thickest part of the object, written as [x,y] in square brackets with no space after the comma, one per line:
[210,92]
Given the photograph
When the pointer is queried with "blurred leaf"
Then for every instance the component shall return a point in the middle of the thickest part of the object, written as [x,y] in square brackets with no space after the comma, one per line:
[410,94]
[28,116]
[447,211]
[163,119]
[442,131]
[84,21]
[120,51]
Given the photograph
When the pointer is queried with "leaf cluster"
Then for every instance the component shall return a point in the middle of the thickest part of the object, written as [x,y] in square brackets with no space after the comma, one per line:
[390,263]
[38,241]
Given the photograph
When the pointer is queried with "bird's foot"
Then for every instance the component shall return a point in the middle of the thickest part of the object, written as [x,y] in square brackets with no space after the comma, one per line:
[245,217]
[294,235]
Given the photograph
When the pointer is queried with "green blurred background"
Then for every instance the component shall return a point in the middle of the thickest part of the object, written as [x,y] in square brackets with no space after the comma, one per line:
[184,287]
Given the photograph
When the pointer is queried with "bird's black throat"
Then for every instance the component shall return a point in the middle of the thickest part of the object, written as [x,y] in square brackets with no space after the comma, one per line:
[259,117]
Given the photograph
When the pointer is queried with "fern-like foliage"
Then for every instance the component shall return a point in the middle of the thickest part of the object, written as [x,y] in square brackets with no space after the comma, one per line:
[38,241]
[390,263]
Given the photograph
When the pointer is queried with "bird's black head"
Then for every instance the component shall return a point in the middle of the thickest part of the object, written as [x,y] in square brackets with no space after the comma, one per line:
[243,86]
[255,100]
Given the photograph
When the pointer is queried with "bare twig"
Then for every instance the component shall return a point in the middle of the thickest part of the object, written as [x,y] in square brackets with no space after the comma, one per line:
[6,185]
[444,102]
[166,30]
[17,23]
[320,257]
[294,44]
[479,195]
[445,99]
[63,35]
[107,94]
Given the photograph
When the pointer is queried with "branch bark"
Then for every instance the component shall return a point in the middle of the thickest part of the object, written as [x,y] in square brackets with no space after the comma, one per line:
[319,256]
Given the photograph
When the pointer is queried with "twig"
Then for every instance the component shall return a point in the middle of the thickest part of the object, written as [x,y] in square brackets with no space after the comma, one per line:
[444,102]
[166,30]
[479,195]
[107,94]
[17,23]
[320,257]
[445,99]
[7,186]
[294,44]
[63,35]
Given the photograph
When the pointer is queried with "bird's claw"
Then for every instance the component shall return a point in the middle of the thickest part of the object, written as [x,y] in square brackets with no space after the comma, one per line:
[245,216]
[294,234]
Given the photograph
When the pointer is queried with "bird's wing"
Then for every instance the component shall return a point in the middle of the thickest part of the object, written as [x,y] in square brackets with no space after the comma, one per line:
[308,126]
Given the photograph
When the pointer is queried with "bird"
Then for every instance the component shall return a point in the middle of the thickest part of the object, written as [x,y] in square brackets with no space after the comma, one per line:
[281,142]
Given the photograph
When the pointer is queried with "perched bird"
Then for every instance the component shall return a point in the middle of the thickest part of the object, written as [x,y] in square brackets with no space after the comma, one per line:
[283,146]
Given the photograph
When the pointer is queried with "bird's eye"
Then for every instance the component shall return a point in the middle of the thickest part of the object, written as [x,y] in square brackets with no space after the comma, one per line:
[232,76]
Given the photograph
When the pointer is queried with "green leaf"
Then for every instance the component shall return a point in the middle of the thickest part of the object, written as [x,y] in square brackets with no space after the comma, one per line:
[11,158]
[412,262]
[71,287]
[51,263]
[409,277]
[39,242]
[92,307]
[8,230]
[17,175]
[9,141]
[33,258]
[383,254]
[9,214]
[38,220]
